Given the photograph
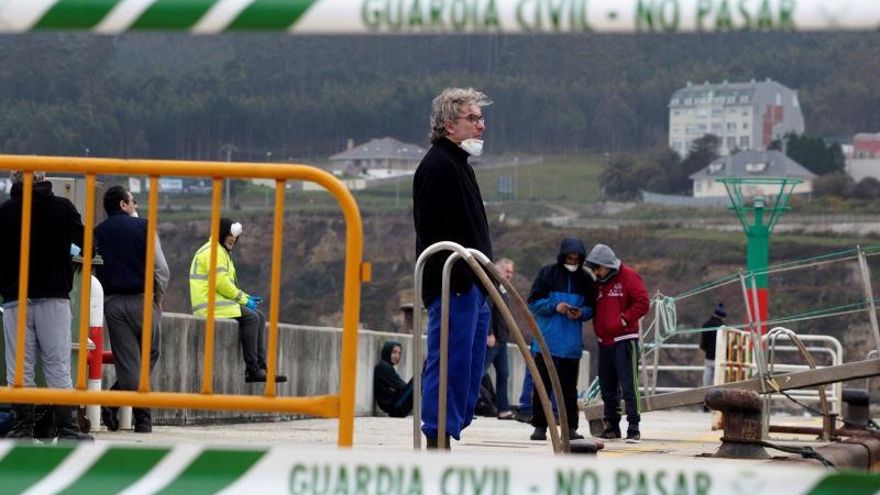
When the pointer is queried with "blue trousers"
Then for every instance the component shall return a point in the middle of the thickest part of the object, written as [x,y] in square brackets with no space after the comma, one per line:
[497,356]
[468,329]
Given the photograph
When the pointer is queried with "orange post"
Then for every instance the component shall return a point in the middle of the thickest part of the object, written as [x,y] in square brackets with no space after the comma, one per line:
[275,289]
[27,199]
[149,262]
[208,373]
[85,297]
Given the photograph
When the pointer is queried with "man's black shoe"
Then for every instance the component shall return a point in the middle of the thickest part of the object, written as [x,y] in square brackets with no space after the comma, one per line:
[255,377]
[143,428]
[260,377]
[633,436]
[109,418]
[539,434]
[432,443]
[610,434]
[523,417]
[574,435]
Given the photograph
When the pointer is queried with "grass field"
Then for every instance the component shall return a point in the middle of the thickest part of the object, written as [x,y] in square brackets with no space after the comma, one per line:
[556,181]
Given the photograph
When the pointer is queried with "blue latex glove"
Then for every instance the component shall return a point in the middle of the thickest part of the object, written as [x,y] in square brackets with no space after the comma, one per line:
[258,299]
[251,303]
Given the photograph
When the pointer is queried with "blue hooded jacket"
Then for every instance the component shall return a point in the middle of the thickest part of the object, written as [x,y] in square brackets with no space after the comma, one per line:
[553,285]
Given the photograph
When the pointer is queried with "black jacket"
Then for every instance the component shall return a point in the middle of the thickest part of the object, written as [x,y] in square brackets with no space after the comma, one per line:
[497,326]
[387,384]
[707,338]
[122,242]
[447,206]
[55,224]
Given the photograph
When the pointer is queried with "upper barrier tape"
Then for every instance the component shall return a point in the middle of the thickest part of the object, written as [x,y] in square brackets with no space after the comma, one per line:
[156,469]
[439,16]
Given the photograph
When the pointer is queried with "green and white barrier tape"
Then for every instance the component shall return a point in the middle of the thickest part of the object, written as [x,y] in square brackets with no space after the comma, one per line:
[439,16]
[195,470]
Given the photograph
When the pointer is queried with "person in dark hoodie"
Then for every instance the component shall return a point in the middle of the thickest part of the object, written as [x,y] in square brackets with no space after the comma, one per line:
[621,300]
[393,395]
[707,342]
[448,206]
[561,299]
[56,233]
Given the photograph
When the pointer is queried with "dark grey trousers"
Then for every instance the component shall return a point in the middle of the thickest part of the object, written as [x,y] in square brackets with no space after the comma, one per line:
[123,315]
[252,332]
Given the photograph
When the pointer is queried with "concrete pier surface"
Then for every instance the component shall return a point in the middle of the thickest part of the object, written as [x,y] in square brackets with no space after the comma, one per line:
[667,433]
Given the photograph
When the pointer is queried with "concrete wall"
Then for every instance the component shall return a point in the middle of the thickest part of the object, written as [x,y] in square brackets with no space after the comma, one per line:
[309,356]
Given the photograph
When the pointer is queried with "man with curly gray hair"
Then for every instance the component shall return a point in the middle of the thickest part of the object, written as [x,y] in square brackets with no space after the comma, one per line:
[448,206]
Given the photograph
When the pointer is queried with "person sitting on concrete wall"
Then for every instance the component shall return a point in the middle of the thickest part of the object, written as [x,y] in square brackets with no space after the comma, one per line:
[392,395]
[231,301]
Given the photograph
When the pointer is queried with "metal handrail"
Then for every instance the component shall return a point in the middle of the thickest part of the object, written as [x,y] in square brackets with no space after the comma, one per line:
[341,405]
[478,262]
[771,337]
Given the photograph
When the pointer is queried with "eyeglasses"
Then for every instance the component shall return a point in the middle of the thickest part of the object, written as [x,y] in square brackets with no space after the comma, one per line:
[474,118]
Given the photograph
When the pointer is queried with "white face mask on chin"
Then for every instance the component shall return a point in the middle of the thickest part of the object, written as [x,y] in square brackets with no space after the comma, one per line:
[571,268]
[473,147]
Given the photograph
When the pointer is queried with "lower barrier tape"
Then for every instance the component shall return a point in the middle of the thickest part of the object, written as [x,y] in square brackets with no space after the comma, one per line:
[193,469]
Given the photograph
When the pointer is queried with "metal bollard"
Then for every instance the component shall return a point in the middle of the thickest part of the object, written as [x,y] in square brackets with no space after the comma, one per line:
[742,423]
[856,411]
[96,335]
[586,446]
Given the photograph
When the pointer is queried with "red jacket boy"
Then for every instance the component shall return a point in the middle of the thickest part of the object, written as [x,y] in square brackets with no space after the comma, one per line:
[621,299]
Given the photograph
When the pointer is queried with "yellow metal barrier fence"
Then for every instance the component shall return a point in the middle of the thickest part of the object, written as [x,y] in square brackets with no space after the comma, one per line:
[341,406]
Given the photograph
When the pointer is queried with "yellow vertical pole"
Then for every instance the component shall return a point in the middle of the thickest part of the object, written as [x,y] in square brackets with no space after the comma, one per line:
[354,271]
[24,258]
[275,289]
[208,373]
[85,298]
[149,262]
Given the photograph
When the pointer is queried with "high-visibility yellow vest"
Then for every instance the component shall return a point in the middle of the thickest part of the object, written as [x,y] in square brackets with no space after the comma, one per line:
[229,298]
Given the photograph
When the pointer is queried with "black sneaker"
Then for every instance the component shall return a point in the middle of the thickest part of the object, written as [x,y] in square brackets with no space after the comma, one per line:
[523,417]
[255,377]
[633,436]
[574,435]
[610,434]
[109,418]
[143,427]
[539,434]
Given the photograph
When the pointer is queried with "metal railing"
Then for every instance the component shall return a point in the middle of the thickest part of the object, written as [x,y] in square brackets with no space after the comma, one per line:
[735,342]
[356,271]
[480,264]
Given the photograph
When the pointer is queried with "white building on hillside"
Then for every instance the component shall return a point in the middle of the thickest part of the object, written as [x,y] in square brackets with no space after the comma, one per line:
[386,154]
[750,164]
[746,116]
[863,157]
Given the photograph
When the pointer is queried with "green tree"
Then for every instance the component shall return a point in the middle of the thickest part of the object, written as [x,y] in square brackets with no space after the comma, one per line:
[703,151]
[620,178]
[813,153]
[867,188]
[839,185]
[660,170]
